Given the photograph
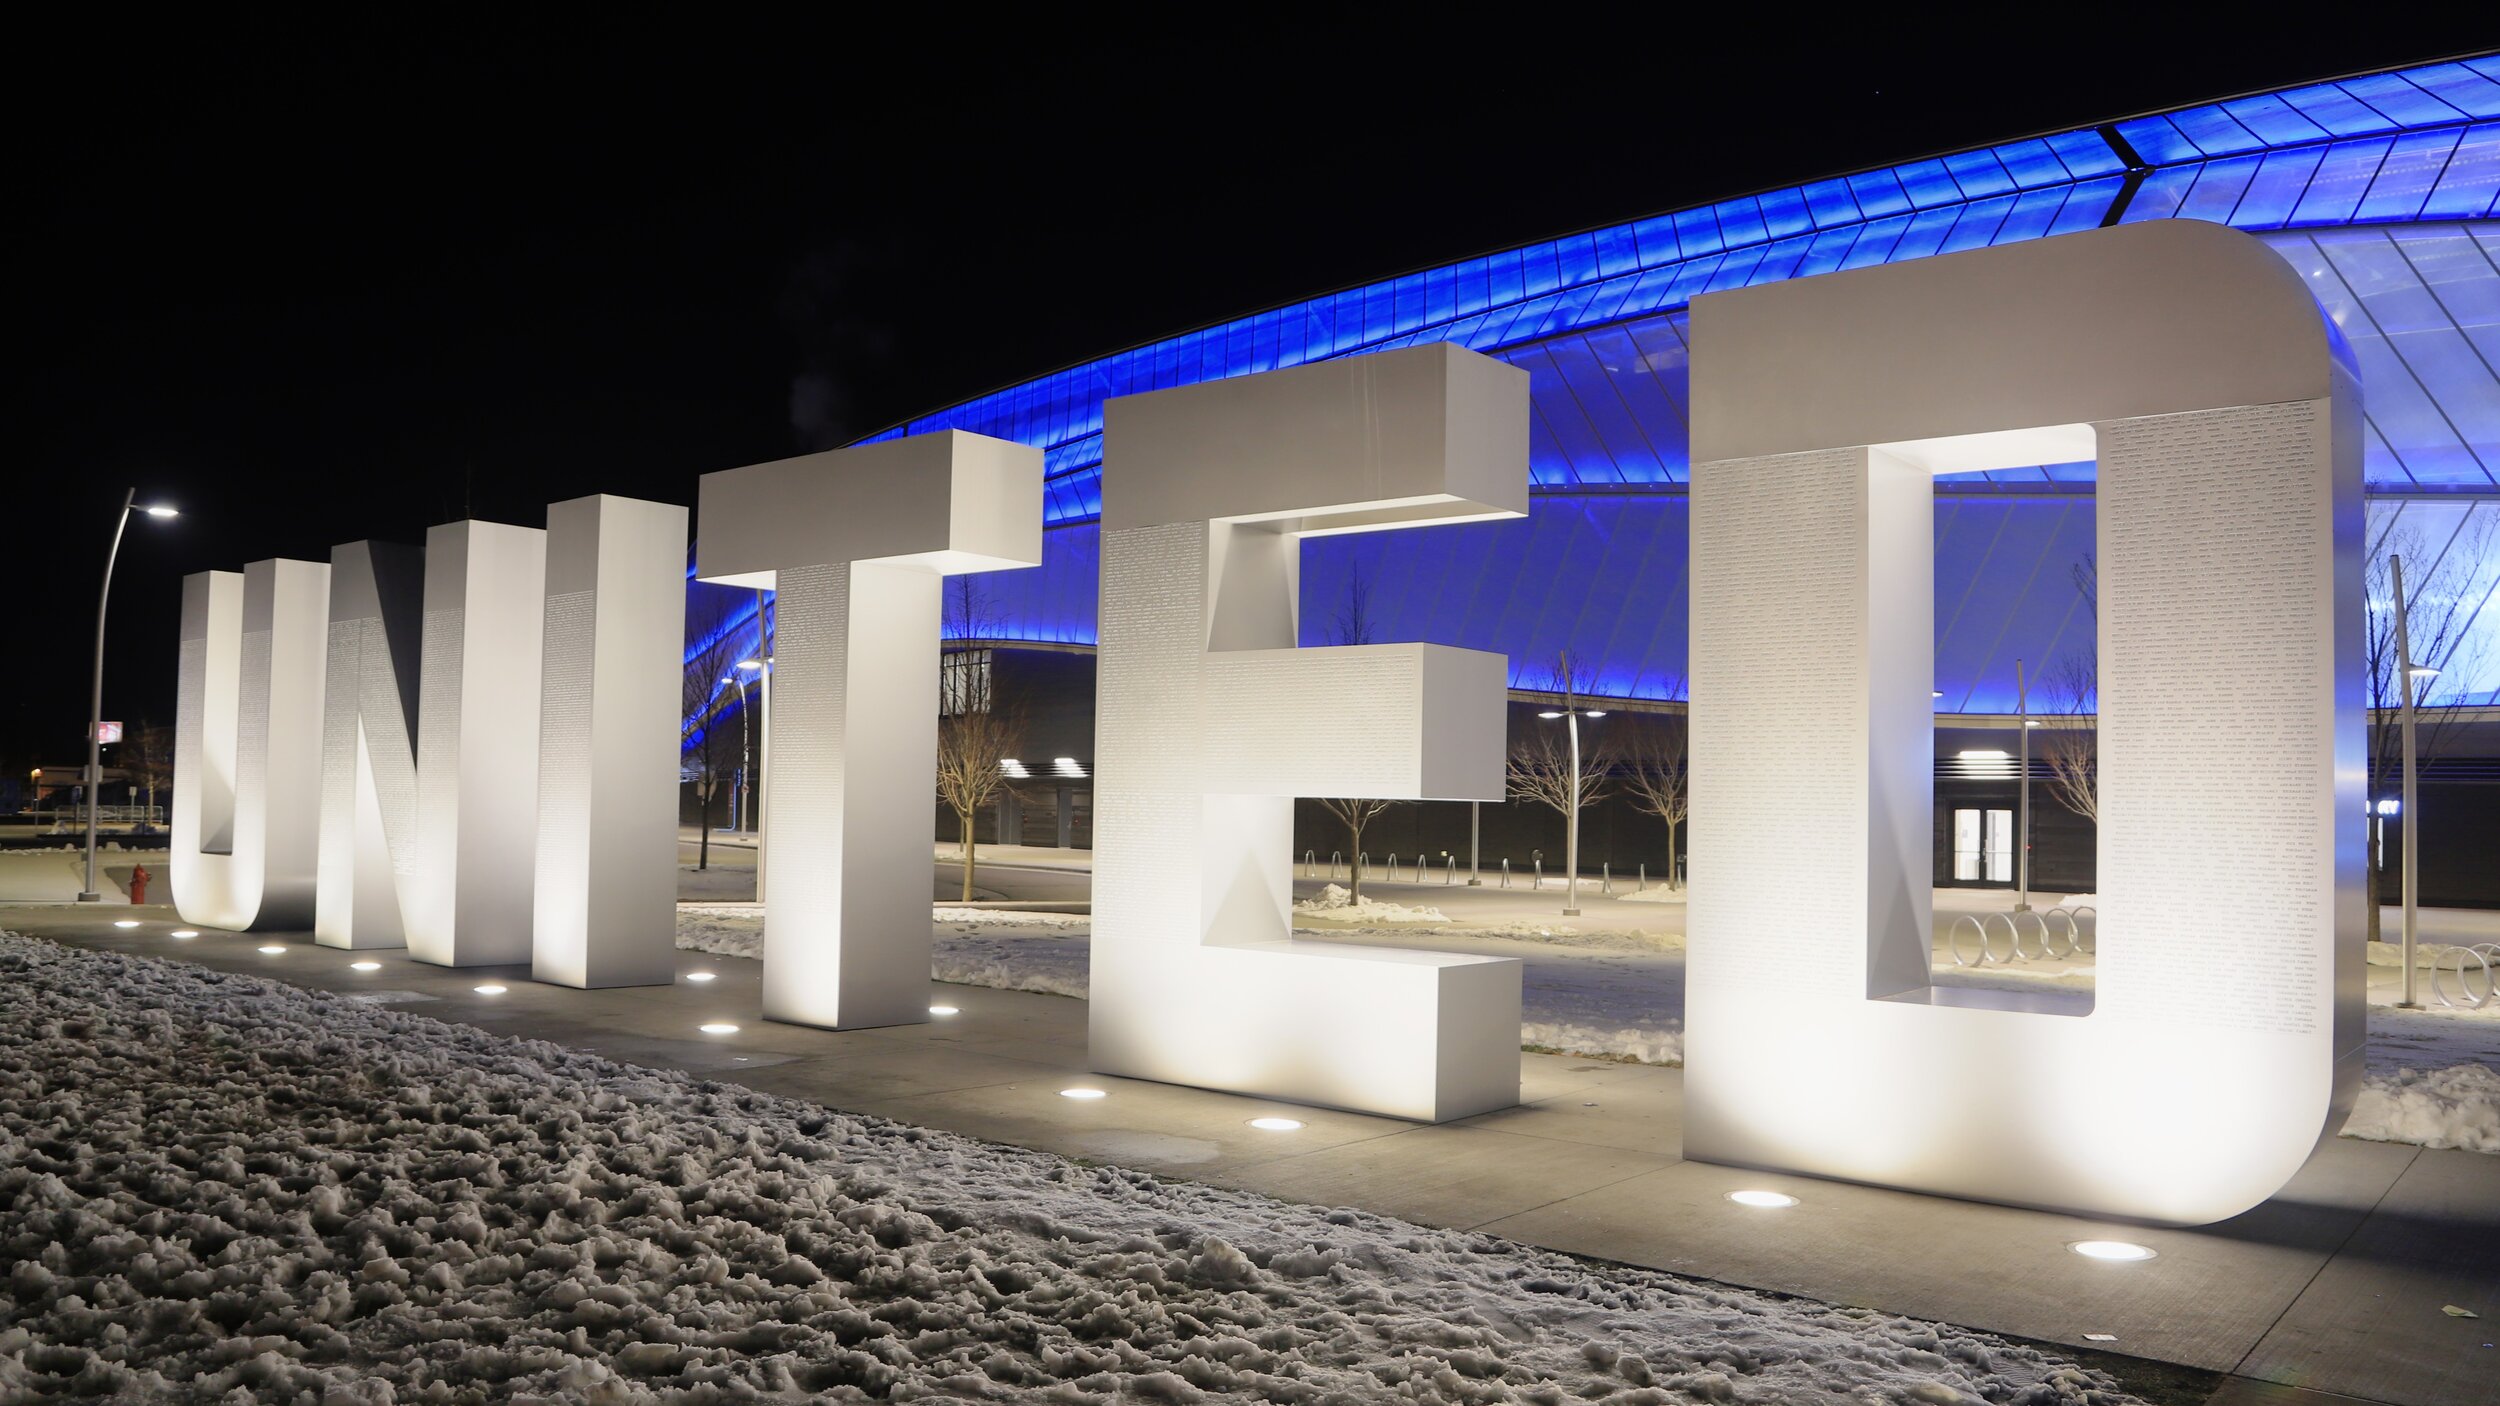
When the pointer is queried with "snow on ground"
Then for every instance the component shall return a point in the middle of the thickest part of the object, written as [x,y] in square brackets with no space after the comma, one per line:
[1336,905]
[1655,893]
[2433,1076]
[217,1187]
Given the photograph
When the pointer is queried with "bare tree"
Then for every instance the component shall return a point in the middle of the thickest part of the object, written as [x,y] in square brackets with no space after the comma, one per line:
[2068,741]
[1353,625]
[2446,587]
[1656,777]
[1540,767]
[972,752]
[146,756]
[708,738]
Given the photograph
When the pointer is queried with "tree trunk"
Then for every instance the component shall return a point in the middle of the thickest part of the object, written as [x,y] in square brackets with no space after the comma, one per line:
[703,826]
[1358,860]
[963,818]
[1671,854]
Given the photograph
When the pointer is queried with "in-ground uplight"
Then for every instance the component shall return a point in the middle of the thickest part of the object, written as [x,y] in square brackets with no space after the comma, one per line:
[1761,1199]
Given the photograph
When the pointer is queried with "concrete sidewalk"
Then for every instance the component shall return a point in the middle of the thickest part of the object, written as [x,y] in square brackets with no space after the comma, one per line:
[2336,1286]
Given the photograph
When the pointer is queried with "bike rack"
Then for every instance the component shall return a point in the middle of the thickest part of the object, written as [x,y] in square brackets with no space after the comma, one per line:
[1335,858]
[1450,875]
[1310,860]
[1606,877]
[1391,876]
[2045,937]
[1540,874]
[1506,873]
[2487,956]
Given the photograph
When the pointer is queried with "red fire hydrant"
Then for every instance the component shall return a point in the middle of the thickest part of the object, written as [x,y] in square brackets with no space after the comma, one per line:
[139,884]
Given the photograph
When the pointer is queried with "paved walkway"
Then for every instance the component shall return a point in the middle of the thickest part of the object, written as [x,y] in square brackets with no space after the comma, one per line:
[2336,1286]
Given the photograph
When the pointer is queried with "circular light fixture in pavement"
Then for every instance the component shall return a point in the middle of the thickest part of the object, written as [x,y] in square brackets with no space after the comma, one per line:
[1762,1200]
[2117,1251]
[1276,1125]
[718,1027]
[1082,1093]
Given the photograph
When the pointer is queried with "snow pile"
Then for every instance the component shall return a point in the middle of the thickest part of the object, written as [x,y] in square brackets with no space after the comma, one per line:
[1052,965]
[1651,1045]
[981,919]
[1655,893]
[1333,904]
[2454,1107]
[214,1186]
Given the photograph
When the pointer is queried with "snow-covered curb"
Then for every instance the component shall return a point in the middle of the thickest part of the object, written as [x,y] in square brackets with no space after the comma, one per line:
[214,1186]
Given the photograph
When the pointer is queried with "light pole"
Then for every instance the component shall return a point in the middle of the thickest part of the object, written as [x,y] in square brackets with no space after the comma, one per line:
[2022,801]
[95,699]
[760,794]
[741,793]
[2411,674]
[1571,715]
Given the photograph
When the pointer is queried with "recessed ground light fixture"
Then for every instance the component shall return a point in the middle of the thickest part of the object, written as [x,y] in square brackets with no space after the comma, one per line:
[1763,1200]
[490,989]
[184,932]
[700,976]
[1082,1093]
[364,966]
[273,950]
[1276,1125]
[2119,1250]
[718,1027]
[942,1010]
[125,922]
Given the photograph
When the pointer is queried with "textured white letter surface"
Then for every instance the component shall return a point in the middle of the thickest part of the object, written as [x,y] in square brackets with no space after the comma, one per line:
[606,893]
[857,544]
[2224,1039]
[1211,721]
[247,745]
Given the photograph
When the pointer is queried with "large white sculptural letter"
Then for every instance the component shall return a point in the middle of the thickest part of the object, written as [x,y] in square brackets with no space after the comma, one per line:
[247,745]
[1211,722]
[857,544]
[368,745]
[605,909]
[2224,1039]
[477,745]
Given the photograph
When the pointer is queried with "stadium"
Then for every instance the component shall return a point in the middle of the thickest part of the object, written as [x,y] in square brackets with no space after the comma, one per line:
[2379,189]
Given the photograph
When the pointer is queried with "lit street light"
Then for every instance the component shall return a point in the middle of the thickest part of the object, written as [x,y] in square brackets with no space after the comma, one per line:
[1571,715]
[95,701]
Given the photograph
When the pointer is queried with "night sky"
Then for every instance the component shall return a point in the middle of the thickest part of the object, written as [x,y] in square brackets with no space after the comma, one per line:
[314,287]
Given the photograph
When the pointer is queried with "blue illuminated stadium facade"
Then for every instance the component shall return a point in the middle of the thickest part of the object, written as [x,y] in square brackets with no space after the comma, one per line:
[2379,189]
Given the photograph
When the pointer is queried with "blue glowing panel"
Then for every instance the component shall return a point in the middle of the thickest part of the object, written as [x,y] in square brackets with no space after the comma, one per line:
[1053,603]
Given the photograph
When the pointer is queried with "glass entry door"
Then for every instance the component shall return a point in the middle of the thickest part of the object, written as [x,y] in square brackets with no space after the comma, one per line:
[1983,846]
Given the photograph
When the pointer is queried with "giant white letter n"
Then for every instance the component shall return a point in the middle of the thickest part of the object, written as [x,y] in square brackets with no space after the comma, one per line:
[2224,1040]
[1210,722]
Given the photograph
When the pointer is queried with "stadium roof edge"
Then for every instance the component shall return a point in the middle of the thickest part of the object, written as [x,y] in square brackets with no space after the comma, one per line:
[2097,127]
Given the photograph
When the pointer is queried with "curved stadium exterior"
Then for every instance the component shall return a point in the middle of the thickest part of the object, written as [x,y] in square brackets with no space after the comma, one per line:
[2380,189]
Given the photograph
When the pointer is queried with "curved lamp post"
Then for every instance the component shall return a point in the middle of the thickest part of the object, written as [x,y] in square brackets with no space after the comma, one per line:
[95,702]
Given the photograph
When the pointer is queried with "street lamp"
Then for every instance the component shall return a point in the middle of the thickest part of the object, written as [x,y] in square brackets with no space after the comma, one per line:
[95,699]
[2413,676]
[1570,716]
[746,756]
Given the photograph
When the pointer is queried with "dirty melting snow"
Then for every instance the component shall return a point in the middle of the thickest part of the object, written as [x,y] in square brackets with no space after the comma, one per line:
[214,1187]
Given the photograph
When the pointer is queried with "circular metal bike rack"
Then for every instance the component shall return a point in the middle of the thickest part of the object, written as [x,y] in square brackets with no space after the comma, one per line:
[1953,940]
[2039,935]
[2087,942]
[2485,955]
